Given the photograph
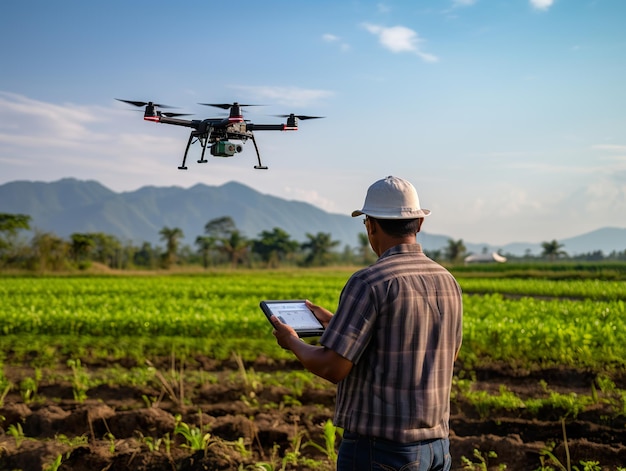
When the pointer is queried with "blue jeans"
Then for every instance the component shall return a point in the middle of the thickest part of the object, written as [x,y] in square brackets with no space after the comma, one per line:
[362,453]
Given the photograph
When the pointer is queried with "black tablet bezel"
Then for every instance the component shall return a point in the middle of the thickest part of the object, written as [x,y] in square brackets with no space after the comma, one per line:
[266,307]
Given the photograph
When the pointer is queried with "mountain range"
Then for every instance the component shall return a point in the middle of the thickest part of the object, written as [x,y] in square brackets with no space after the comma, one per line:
[69,205]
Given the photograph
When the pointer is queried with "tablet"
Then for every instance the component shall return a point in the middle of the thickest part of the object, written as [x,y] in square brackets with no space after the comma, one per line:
[296,314]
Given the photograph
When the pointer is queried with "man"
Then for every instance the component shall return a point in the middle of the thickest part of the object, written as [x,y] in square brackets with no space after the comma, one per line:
[391,345]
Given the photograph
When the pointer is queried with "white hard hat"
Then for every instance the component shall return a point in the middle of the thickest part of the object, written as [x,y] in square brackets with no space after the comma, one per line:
[392,198]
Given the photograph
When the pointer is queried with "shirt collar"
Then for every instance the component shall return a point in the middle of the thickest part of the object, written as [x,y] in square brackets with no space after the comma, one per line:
[402,249]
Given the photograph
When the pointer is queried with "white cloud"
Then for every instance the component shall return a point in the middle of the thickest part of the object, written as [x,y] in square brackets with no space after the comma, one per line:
[601,191]
[541,4]
[287,96]
[25,119]
[331,38]
[463,3]
[310,196]
[610,147]
[55,140]
[399,39]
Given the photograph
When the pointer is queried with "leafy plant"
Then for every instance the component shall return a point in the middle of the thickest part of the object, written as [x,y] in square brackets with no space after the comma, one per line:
[240,446]
[80,379]
[483,461]
[196,438]
[28,386]
[330,436]
[17,432]
[55,465]
[111,439]
[72,442]
[486,403]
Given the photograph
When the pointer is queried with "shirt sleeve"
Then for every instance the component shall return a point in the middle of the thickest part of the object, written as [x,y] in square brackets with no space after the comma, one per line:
[350,329]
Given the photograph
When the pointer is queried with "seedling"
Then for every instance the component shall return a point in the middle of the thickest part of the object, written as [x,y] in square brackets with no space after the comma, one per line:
[28,387]
[330,436]
[80,380]
[55,465]
[483,461]
[196,438]
[16,431]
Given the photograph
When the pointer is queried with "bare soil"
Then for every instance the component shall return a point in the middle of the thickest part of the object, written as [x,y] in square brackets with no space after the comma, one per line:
[119,428]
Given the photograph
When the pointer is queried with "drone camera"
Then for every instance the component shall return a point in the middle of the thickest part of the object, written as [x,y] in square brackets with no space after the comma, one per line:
[225,149]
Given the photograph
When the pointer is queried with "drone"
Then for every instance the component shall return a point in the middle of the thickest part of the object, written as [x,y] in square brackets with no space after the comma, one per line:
[218,134]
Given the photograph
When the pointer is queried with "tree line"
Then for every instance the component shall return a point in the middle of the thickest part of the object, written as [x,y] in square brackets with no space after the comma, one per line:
[221,244]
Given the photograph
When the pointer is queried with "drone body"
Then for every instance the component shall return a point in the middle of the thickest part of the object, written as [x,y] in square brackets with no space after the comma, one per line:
[218,134]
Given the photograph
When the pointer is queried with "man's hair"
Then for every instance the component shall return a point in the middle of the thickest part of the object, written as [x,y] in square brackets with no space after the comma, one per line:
[399,227]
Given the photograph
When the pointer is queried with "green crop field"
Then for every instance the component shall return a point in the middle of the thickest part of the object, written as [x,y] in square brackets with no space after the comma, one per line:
[539,351]
[521,321]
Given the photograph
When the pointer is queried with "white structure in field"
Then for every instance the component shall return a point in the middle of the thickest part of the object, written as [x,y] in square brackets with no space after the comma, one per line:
[485,258]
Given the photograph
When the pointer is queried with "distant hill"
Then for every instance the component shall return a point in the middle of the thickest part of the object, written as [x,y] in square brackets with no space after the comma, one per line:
[607,240]
[69,205]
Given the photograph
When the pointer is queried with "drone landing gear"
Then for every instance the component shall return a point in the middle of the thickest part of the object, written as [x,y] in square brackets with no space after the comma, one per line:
[204,141]
[183,166]
[258,156]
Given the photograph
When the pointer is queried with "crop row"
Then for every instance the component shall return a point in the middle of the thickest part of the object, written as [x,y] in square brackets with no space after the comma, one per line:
[577,289]
[546,332]
[224,307]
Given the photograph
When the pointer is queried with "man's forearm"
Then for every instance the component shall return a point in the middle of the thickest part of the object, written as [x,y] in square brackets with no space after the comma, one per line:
[320,361]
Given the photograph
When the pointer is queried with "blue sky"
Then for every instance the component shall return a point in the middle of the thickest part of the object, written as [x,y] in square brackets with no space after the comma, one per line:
[509,116]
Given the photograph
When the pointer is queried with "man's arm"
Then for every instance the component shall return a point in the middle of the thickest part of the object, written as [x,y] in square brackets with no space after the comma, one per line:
[321,361]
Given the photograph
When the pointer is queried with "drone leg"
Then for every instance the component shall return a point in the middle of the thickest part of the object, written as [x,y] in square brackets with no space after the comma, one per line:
[202,159]
[183,167]
[204,145]
[258,156]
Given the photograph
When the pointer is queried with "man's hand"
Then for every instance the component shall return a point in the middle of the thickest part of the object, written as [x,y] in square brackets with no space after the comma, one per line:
[284,333]
[322,314]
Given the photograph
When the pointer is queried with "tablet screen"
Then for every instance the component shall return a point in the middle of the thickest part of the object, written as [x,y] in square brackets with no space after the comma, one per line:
[294,313]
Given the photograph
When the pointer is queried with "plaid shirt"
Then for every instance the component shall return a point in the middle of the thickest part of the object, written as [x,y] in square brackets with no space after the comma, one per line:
[400,322]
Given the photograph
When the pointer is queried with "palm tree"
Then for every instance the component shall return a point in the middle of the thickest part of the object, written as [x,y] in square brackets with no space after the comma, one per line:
[235,246]
[365,249]
[455,250]
[171,238]
[319,247]
[205,245]
[274,246]
[552,250]
[220,228]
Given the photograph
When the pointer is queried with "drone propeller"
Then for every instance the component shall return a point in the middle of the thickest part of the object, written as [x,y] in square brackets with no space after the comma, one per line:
[175,115]
[168,114]
[299,116]
[225,106]
[144,103]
